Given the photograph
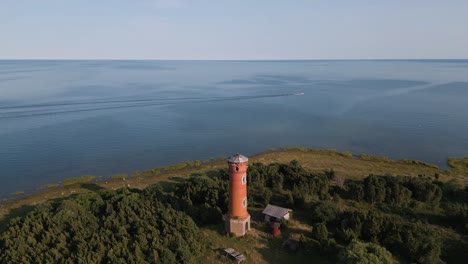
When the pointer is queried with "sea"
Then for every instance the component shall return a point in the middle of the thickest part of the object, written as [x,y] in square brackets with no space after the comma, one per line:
[64,119]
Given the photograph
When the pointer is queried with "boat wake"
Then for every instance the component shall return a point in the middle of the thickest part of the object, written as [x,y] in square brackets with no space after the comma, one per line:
[55,108]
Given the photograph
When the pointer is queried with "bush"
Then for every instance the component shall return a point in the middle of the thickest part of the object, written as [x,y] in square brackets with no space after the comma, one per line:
[456,215]
[365,253]
[320,232]
[203,198]
[324,212]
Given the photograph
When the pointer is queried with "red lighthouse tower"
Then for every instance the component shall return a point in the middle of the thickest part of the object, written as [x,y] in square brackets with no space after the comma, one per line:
[238,219]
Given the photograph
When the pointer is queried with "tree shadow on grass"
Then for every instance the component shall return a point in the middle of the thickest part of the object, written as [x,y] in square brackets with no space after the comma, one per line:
[91,187]
[177,179]
[302,215]
[217,173]
[168,186]
[275,250]
[296,231]
[276,253]
[218,228]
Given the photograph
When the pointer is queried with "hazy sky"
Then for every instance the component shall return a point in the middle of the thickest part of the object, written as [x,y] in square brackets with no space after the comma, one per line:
[242,29]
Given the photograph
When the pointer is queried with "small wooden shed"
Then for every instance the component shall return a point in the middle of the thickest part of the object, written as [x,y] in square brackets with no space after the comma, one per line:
[275,213]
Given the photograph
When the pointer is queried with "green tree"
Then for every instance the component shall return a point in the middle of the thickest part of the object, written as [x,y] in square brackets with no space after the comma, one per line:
[123,226]
[320,232]
[358,252]
[374,187]
[324,212]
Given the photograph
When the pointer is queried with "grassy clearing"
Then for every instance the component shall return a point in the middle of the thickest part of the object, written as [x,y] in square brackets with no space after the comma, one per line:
[256,248]
[349,166]
[258,245]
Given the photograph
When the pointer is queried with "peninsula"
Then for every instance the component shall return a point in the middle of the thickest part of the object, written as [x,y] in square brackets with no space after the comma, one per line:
[341,204]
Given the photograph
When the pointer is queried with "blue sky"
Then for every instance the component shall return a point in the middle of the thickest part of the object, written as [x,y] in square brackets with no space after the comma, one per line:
[217,29]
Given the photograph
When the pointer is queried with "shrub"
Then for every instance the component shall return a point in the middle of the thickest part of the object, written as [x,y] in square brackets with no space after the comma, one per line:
[324,212]
[320,232]
[365,253]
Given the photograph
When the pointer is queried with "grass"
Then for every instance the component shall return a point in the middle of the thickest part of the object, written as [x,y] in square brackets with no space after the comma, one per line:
[258,245]
[346,154]
[309,150]
[49,186]
[82,179]
[347,165]
[119,176]
[458,165]
[174,167]
[374,158]
[417,162]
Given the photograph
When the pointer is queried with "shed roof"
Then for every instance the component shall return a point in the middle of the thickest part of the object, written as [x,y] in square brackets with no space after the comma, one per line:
[276,211]
[237,158]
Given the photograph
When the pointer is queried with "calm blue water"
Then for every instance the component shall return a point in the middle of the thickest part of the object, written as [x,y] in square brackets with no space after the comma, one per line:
[61,119]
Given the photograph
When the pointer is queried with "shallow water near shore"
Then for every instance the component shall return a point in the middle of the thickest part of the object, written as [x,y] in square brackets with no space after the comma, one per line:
[62,119]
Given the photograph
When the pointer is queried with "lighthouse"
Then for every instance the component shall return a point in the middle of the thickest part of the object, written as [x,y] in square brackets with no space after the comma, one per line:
[237,219]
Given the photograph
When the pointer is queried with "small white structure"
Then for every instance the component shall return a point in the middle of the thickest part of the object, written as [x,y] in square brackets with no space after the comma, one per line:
[275,213]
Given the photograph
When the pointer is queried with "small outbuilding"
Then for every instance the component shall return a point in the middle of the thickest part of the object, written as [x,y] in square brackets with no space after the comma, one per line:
[275,213]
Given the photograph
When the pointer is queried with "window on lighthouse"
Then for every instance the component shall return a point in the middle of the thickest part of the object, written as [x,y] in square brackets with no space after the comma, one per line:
[244,202]
[244,179]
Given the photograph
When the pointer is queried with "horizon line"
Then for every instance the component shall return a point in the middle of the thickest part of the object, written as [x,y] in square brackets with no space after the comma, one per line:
[127,59]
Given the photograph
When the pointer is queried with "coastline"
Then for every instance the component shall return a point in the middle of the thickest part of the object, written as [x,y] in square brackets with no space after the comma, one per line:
[345,164]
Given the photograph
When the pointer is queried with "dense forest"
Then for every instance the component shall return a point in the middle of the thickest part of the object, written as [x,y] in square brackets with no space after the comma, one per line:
[123,226]
[377,220]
